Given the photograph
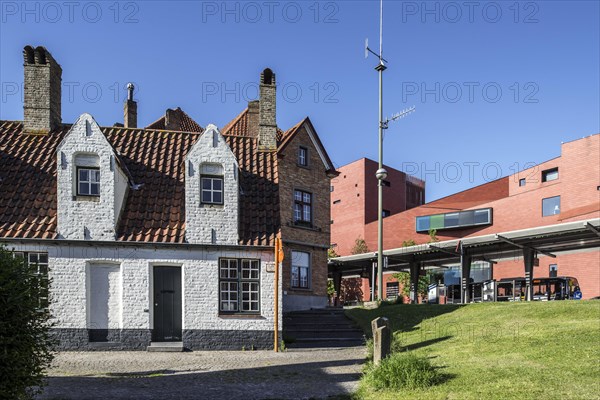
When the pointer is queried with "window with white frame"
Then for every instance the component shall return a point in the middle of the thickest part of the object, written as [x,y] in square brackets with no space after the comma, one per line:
[239,285]
[300,270]
[40,260]
[88,181]
[212,189]
[302,208]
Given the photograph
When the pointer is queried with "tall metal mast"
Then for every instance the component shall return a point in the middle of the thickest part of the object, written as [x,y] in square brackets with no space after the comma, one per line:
[381,173]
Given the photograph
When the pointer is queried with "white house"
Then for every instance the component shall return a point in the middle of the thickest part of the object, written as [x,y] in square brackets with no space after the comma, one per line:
[164,233]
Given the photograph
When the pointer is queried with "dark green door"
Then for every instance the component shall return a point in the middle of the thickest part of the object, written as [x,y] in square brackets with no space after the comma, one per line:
[167,304]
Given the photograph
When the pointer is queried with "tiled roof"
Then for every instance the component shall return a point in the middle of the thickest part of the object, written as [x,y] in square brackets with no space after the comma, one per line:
[187,124]
[259,201]
[28,182]
[155,210]
[153,213]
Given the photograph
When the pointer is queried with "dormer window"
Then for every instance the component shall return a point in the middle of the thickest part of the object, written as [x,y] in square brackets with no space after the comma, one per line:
[88,181]
[303,156]
[212,189]
[211,183]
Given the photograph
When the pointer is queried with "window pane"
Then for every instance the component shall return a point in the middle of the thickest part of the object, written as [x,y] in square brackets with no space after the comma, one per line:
[297,212]
[306,216]
[450,220]
[83,175]
[306,198]
[255,266]
[206,183]
[83,188]
[466,218]
[551,206]
[95,188]
[217,184]
[300,258]
[295,276]
[95,174]
[206,197]
[298,195]
[217,197]
[304,277]
[481,216]
[422,224]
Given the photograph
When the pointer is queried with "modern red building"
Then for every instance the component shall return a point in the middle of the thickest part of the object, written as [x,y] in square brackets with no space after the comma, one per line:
[560,190]
[354,200]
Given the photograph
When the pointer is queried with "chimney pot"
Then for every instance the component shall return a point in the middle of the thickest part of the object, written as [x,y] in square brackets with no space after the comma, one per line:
[130,109]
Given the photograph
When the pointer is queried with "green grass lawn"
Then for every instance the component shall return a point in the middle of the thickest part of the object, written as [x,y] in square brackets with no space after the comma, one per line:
[538,350]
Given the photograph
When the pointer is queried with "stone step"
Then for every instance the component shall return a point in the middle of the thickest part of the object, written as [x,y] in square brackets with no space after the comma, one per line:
[165,347]
[311,343]
[330,335]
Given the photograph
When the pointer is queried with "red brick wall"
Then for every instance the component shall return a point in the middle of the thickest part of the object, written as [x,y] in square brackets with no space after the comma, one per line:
[354,201]
[519,207]
[313,240]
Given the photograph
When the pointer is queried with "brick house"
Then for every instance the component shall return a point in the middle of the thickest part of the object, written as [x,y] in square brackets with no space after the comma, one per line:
[563,189]
[164,233]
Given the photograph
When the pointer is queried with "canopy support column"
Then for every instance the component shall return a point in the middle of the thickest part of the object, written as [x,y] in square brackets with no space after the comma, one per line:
[528,258]
[465,273]
[414,282]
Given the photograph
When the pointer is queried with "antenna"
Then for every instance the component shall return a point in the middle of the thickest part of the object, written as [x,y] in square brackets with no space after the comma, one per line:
[397,116]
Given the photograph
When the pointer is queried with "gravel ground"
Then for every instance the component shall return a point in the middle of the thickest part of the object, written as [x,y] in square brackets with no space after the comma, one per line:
[294,374]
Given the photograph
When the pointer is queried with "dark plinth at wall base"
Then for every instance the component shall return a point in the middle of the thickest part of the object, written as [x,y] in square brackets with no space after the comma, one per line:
[74,339]
[198,339]
[78,339]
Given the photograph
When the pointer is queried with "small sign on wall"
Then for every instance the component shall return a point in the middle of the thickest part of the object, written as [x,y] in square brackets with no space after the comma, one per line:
[270,267]
[536,262]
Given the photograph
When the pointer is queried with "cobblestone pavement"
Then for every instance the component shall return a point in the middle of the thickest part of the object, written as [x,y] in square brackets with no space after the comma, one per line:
[294,374]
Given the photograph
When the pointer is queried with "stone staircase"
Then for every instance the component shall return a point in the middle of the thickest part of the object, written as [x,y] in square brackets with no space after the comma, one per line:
[316,328]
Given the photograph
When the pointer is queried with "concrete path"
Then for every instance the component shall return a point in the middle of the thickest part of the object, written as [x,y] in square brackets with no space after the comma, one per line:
[295,374]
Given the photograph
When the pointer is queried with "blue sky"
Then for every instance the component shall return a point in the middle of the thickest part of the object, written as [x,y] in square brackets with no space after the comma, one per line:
[497,85]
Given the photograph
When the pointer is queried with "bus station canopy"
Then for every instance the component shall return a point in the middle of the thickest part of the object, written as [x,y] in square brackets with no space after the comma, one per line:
[550,240]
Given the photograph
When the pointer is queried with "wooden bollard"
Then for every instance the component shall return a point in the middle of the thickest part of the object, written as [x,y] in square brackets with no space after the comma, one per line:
[382,339]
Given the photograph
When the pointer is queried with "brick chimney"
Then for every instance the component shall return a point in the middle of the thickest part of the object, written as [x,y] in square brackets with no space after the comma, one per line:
[173,119]
[267,127]
[42,91]
[253,112]
[130,109]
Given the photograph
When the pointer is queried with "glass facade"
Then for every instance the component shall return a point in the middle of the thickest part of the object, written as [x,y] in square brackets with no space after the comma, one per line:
[460,219]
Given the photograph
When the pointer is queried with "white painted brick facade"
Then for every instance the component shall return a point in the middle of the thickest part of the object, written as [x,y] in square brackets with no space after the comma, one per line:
[69,292]
[88,218]
[212,155]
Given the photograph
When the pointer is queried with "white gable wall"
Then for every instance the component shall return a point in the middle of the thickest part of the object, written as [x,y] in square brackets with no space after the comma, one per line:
[211,224]
[81,217]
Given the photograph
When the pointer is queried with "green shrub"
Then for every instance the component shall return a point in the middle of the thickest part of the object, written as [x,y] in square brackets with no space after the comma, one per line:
[25,344]
[402,370]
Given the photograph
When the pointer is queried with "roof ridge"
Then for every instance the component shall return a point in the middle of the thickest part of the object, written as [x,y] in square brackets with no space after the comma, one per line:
[231,123]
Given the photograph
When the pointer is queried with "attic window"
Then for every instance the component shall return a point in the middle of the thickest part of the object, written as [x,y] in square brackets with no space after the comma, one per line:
[303,156]
[88,181]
